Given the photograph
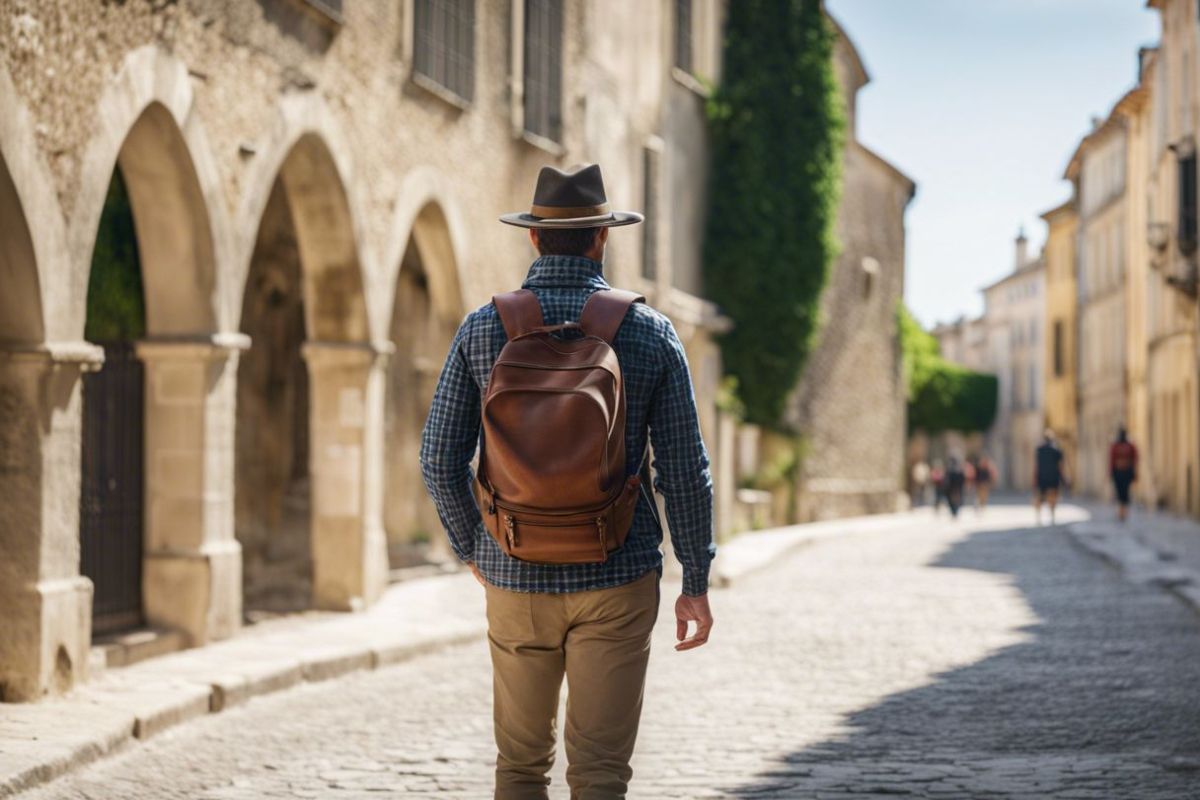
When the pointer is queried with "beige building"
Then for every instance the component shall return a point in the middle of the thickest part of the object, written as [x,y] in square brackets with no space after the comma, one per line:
[1015,319]
[1098,172]
[312,191]
[850,402]
[1171,444]
[964,342]
[1060,359]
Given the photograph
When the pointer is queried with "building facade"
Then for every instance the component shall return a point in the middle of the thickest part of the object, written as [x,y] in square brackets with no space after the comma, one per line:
[850,401]
[1098,172]
[1060,357]
[235,239]
[1015,315]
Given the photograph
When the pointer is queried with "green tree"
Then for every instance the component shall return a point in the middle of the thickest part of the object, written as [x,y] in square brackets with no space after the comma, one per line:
[942,396]
[777,126]
[115,306]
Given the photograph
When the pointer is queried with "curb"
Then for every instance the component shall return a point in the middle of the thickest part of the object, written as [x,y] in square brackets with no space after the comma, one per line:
[42,741]
[1122,549]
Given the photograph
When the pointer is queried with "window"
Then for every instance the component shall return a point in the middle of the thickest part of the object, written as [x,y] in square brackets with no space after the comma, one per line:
[1187,204]
[444,47]
[683,35]
[1060,364]
[651,159]
[332,9]
[543,68]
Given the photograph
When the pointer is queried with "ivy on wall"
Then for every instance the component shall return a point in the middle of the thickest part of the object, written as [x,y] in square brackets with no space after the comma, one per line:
[115,305]
[942,396]
[777,127]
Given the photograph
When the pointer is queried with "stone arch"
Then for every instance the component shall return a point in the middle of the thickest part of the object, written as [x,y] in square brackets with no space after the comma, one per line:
[308,388]
[147,127]
[427,305]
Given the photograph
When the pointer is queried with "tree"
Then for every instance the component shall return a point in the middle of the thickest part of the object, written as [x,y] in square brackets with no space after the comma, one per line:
[942,396]
[777,126]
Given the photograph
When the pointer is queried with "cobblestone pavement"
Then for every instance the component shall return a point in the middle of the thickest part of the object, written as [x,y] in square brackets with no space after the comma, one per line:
[941,660]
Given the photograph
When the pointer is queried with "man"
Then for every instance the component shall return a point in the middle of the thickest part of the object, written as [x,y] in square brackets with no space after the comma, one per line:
[1122,465]
[956,480]
[590,622]
[1048,475]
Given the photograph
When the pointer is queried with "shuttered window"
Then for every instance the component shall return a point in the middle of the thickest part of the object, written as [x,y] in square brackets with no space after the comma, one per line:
[650,207]
[1187,204]
[683,35]
[444,45]
[543,68]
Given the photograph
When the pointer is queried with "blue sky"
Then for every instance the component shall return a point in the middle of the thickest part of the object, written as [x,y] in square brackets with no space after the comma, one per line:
[982,102]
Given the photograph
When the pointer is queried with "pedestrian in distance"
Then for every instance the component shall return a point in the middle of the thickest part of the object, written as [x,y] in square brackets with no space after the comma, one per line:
[955,482]
[1122,465]
[564,385]
[985,474]
[1049,475]
[918,479]
[937,478]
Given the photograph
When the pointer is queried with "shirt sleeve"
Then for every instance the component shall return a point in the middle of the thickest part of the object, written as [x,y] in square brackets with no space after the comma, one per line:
[681,468]
[447,446]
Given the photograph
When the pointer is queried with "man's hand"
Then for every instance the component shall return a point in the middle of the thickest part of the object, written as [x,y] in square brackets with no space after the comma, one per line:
[692,609]
[478,575]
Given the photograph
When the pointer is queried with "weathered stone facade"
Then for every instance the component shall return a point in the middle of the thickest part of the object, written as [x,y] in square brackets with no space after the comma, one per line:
[850,402]
[305,208]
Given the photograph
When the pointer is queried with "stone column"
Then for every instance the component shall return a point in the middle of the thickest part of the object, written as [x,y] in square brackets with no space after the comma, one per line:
[349,546]
[192,565]
[45,604]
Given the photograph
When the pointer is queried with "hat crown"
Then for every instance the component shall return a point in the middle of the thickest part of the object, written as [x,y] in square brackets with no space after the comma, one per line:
[578,189]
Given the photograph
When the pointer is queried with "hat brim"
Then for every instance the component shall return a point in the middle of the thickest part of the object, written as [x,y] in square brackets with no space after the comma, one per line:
[614,219]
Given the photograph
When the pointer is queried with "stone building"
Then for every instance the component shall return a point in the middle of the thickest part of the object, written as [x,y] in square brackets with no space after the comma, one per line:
[1015,316]
[1170,470]
[1061,347]
[1097,171]
[308,191]
[850,402]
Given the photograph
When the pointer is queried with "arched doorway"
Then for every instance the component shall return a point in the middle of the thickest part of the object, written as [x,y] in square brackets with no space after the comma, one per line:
[305,400]
[111,507]
[425,314]
[152,537]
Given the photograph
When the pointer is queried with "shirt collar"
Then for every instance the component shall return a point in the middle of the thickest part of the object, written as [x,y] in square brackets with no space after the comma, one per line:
[565,272]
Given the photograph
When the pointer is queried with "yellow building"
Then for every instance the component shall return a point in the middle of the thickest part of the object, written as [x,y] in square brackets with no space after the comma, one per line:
[1060,363]
[1170,455]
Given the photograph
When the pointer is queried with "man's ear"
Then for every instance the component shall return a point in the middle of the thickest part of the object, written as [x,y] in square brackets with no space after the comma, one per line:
[602,237]
[533,237]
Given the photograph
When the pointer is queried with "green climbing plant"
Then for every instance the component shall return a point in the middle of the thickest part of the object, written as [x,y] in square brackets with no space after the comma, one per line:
[942,396]
[777,126]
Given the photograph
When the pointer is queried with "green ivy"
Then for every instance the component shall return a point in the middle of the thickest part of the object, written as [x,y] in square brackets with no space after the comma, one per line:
[942,396]
[115,305]
[777,126]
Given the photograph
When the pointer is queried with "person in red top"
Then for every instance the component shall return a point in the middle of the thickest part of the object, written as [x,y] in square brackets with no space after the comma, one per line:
[1122,463]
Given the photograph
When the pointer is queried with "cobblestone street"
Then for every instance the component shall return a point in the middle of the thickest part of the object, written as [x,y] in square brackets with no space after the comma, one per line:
[969,660]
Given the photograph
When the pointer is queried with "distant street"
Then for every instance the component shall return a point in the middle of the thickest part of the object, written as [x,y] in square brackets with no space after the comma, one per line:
[956,660]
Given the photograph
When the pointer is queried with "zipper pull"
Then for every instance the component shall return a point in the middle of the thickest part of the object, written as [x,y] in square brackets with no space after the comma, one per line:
[510,530]
[602,524]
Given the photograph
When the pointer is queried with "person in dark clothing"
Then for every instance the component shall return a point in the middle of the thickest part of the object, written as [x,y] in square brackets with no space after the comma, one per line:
[984,475]
[955,481]
[1122,464]
[1048,475]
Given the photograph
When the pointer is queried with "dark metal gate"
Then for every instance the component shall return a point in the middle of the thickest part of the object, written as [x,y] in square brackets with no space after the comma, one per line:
[110,519]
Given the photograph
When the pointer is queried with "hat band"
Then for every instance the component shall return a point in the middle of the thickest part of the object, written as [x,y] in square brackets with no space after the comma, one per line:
[568,212]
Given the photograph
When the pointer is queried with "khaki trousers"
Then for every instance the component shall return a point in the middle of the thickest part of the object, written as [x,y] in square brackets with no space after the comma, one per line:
[600,640]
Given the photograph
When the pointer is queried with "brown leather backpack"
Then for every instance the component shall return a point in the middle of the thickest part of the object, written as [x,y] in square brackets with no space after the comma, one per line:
[551,481]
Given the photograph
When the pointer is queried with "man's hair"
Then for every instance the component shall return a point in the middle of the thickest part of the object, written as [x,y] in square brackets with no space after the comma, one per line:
[566,241]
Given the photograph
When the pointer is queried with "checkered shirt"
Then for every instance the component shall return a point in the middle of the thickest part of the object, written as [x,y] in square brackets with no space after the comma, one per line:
[659,404]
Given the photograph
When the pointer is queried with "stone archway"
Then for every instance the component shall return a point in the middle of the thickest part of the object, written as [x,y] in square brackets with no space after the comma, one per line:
[426,311]
[154,437]
[309,390]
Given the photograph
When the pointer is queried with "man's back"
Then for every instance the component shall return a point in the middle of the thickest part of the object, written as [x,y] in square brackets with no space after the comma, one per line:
[1049,463]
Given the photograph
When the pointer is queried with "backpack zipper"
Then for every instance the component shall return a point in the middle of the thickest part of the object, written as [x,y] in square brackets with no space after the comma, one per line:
[510,530]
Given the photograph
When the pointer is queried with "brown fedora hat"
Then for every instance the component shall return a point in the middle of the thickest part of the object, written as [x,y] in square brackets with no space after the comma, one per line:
[572,199]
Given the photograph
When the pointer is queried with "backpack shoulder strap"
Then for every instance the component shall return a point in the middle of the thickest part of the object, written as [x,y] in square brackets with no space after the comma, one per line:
[519,311]
[604,312]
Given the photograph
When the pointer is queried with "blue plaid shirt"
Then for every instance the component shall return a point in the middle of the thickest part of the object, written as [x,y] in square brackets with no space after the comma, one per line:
[659,403]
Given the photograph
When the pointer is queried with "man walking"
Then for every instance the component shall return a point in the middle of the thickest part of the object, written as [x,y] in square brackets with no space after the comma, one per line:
[1048,475]
[1122,465]
[572,585]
